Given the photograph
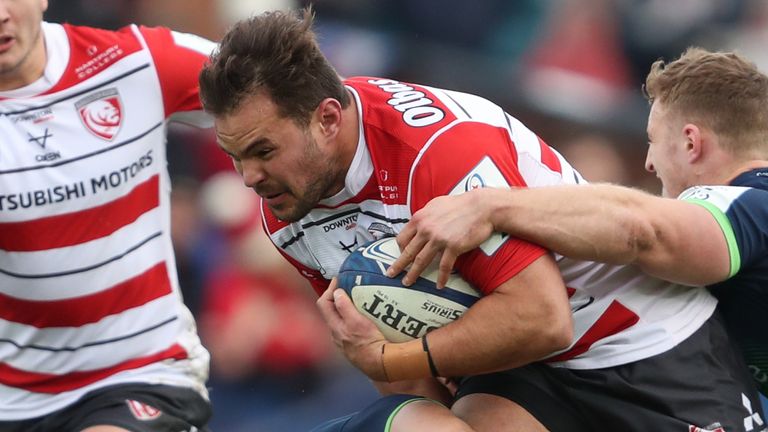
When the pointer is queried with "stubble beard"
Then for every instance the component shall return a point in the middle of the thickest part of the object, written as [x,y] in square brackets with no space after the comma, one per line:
[325,173]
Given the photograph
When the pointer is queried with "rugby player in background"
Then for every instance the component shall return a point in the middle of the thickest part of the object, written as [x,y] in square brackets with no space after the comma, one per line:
[94,335]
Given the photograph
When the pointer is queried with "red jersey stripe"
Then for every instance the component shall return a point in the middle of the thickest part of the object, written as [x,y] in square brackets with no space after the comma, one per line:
[51,383]
[82,226]
[615,319]
[549,158]
[74,312]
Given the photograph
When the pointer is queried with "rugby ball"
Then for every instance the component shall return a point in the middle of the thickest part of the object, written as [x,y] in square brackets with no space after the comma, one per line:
[401,313]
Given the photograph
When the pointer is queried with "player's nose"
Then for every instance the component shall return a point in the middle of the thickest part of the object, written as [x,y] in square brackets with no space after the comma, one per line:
[649,163]
[253,173]
[5,14]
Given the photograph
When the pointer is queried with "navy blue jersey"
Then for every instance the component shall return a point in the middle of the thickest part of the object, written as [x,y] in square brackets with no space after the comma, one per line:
[741,209]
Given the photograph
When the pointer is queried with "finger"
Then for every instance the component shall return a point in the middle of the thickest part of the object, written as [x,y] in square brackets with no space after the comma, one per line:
[447,262]
[345,308]
[406,235]
[327,307]
[420,263]
[407,255]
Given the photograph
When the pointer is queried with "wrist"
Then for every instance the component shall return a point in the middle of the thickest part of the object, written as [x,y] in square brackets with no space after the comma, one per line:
[491,204]
[404,361]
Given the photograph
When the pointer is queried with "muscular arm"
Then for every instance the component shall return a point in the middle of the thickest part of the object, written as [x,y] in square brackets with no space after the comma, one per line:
[668,238]
[526,318]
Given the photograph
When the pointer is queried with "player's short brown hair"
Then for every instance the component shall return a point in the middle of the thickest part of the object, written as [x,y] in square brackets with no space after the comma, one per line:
[720,90]
[277,53]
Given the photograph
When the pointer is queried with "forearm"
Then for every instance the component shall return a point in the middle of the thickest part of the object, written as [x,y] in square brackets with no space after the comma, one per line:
[667,238]
[523,320]
[598,222]
[494,336]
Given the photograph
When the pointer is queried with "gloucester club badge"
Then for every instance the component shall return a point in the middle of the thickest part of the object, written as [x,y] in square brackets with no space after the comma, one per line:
[101,113]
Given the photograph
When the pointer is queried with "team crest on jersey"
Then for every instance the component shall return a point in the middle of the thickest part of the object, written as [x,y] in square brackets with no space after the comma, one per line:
[142,411]
[101,113]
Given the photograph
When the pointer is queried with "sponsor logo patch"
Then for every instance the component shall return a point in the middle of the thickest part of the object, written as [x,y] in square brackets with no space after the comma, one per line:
[38,116]
[379,230]
[752,421]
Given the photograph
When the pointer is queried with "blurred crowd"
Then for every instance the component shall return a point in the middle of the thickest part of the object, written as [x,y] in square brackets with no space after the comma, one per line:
[571,70]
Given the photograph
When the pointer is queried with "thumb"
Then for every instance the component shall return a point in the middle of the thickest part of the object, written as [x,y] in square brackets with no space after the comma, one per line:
[348,311]
[344,305]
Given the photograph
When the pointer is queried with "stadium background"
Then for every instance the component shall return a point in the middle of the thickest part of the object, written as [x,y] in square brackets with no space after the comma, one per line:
[570,69]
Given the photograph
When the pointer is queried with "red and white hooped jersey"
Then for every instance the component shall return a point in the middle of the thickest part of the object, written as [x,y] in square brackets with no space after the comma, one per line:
[89,295]
[419,142]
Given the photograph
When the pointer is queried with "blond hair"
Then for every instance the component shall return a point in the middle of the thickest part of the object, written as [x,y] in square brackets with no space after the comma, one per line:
[720,90]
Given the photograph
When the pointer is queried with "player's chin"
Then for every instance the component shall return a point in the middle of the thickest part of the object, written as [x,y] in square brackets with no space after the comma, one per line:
[282,213]
[289,212]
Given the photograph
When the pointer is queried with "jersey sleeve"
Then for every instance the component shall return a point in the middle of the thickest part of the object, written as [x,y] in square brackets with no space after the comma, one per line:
[178,58]
[742,214]
[467,156]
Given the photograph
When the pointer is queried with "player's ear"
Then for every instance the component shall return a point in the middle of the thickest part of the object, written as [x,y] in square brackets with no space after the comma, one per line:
[693,141]
[328,116]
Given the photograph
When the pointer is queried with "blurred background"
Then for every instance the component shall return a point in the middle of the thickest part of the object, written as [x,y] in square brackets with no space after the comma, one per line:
[569,69]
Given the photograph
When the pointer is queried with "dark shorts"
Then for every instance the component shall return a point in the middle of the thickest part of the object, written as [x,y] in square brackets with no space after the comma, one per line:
[701,383]
[136,407]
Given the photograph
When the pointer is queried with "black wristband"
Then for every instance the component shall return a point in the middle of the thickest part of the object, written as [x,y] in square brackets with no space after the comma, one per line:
[383,364]
[425,347]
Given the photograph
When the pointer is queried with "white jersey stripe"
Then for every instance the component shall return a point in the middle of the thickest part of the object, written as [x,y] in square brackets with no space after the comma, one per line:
[149,338]
[85,156]
[132,262]
[112,329]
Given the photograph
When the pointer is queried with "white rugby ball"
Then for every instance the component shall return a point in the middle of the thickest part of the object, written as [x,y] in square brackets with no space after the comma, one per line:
[401,313]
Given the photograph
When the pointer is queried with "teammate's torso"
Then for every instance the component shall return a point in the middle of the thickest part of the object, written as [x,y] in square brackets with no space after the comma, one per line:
[402,161]
[87,276]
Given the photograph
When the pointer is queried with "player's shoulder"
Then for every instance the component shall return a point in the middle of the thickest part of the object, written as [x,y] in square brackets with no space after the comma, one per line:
[721,196]
[99,45]
[131,38]
[399,109]
[94,38]
[91,50]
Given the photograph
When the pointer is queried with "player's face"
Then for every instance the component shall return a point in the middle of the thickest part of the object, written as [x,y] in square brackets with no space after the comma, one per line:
[666,151]
[279,159]
[22,51]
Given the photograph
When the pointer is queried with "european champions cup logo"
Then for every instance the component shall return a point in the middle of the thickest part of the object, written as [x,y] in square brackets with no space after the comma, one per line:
[475,181]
